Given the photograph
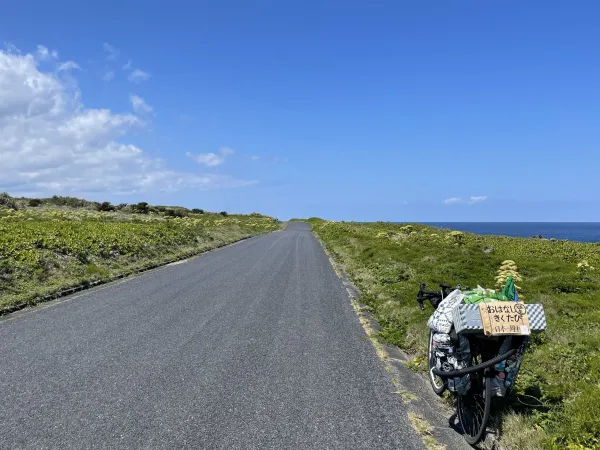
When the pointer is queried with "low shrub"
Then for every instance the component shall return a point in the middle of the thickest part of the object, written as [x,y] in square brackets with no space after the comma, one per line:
[72,202]
[105,206]
[174,213]
[8,202]
[141,208]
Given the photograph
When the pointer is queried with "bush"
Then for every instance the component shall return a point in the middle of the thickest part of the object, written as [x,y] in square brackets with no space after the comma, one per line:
[141,208]
[174,213]
[34,202]
[120,206]
[71,202]
[224,213]
[7,201]
[105,206]
[127,209]
[198,211]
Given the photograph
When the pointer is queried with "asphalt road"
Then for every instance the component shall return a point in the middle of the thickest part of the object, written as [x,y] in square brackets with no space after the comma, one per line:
[252,346]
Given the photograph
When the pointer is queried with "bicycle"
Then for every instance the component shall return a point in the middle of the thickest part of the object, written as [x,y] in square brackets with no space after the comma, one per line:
[474,406]
[434,297]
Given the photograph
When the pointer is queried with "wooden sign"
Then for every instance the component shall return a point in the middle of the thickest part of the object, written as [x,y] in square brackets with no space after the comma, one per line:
[504,318]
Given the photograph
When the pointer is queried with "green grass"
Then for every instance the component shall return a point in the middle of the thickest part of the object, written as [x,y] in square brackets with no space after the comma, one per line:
[424,430]
[47,248]
[557,399]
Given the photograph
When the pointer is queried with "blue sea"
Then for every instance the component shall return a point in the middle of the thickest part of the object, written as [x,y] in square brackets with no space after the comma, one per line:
[573,231]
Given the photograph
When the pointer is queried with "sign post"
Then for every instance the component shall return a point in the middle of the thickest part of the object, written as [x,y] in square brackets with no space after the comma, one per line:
[504,318]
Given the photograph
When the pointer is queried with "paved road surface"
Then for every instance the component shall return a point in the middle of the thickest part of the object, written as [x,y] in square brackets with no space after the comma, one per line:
[252,346]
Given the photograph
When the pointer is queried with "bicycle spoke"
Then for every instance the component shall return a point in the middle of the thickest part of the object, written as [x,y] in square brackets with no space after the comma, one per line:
[477,424]
[479,407]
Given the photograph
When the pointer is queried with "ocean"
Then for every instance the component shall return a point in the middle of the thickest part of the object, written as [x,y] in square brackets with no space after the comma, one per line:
[573,231]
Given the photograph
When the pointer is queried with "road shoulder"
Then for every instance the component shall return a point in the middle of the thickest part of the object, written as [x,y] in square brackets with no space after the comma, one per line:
[432,417]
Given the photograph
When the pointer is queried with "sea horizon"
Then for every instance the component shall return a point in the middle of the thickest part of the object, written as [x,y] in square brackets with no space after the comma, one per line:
[573,231]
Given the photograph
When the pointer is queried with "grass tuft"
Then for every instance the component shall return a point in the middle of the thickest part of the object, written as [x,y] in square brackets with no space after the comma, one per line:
[423,428]
[407,397]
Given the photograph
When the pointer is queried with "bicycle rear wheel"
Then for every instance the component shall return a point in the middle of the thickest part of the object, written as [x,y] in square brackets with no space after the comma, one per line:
[474,407]
[437,383]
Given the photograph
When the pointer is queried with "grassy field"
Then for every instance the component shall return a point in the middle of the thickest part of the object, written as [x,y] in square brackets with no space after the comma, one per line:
[557,399]
[48,245]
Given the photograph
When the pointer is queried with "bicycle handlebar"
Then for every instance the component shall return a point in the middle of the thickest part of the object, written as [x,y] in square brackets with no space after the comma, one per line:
[435,297]
[422,290]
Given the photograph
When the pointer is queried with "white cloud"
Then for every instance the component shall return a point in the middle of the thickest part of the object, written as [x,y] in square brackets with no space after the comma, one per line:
[112,53]
[211,159]
[479,199]
[453,200]
[10,47]
[139,105]
[108,76]
[50,143]
[255,157]
[469,200]
[43,54]
[68,65]
[137,76]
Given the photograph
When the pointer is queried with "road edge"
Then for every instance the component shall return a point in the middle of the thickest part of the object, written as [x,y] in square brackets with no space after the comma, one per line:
[432,417]
[69,290]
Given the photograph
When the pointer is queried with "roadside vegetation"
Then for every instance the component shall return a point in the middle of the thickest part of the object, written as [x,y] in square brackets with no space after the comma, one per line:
[557,399]
[47,245]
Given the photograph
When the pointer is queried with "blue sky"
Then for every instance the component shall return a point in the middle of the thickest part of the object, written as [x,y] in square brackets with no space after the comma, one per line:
[348,110]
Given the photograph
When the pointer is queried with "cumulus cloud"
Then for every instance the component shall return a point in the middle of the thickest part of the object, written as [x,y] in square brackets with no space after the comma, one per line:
[139,105]
[211,159]
[137,76]
[50,143]
[468,200]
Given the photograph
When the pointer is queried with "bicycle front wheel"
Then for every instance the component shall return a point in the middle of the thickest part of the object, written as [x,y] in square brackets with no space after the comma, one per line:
[437,383]
[474,407]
